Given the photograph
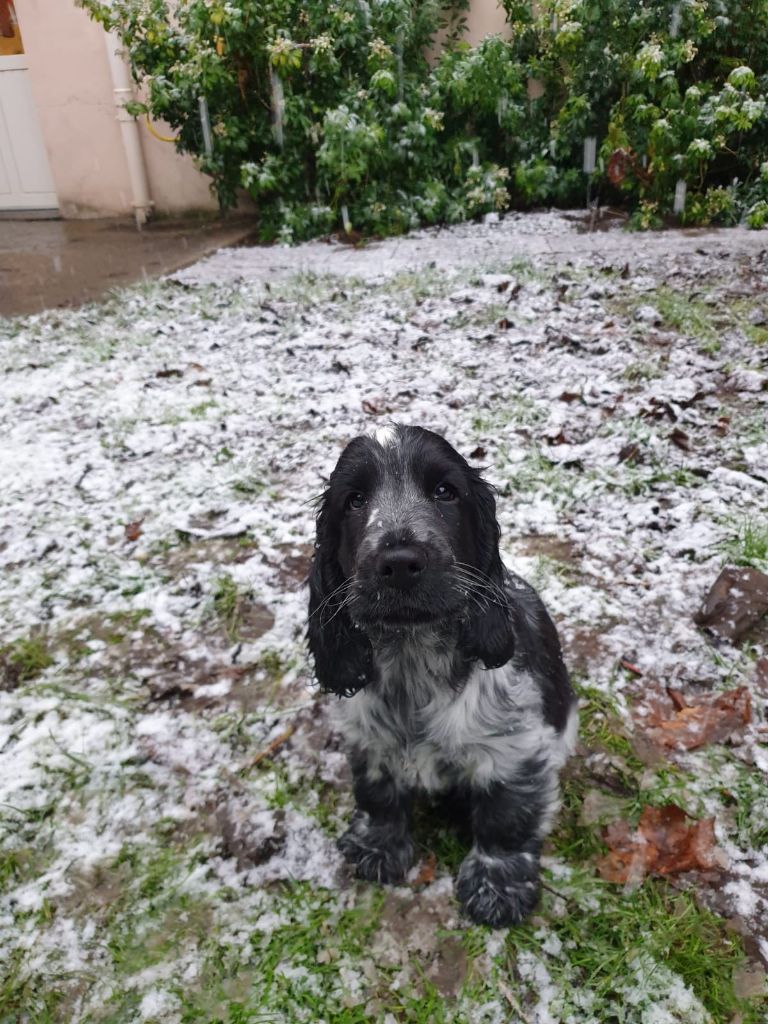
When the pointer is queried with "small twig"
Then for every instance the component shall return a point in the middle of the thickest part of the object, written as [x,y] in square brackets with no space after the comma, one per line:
[83,475]
[292,711]
[512,999]
[560,895]
[269,750]
[629,667]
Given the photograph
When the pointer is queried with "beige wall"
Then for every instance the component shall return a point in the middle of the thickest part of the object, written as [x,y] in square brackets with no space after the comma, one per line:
[73,92]
[485,18]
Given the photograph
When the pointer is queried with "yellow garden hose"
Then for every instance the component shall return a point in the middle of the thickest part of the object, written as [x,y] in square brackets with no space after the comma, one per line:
[153,131]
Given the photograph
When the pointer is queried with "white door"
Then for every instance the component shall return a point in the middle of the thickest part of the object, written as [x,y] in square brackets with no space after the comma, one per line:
[25,176]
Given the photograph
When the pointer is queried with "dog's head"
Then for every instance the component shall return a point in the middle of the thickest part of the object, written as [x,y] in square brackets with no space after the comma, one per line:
[406,538]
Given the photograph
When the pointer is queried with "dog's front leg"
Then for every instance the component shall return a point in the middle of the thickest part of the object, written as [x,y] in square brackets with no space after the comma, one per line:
[378,841]
[498,882]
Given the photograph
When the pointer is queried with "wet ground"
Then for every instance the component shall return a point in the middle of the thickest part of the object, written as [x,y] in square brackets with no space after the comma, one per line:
[46,264]
[171,789]
[566,237]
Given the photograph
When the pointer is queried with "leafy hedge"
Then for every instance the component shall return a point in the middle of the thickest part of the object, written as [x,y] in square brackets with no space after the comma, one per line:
[331,114]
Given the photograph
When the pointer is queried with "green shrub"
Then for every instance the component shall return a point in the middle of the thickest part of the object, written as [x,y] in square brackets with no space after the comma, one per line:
[331,115]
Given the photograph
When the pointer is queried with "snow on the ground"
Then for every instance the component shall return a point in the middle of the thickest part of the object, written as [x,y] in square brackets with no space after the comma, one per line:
[209,411]
[517,235]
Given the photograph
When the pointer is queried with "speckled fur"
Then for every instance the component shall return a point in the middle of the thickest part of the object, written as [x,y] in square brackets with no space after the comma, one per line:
[464,696]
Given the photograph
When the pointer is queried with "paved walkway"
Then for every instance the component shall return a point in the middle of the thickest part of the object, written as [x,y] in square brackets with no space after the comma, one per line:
[46,264]
[51,263]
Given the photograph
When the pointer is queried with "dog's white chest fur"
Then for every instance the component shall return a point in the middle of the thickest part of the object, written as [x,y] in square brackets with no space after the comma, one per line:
[414,725]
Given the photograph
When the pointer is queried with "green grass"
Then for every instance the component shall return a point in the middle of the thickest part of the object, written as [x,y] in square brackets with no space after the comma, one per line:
[161,900]
[572,840]
[293,971]
[611,939]
[226,603]
[690,317]
[201,409]
[548,568]
[601,725]
[24,997]
[695,319]
[601,730]
[639,479]
[743,792]
[24,659]
[249,486]
[519,409]
[748,544]
[758,335]
[642,371]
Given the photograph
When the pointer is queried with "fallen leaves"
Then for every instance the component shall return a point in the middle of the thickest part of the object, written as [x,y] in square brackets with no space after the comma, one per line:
[631,454]
[133,531]
[375,406]
[761,676]
[630,667]
[694,723]
[426,872]
[736,601]
[665,842]
[680,439]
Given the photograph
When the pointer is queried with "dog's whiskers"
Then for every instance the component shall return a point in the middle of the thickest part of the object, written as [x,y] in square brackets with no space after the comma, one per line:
[479,580]
[345,602]
[324,604]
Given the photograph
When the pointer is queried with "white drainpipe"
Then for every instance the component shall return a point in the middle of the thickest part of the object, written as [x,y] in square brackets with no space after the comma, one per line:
[134,156]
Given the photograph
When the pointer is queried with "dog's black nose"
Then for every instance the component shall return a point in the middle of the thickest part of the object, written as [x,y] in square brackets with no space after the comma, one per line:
[401,567]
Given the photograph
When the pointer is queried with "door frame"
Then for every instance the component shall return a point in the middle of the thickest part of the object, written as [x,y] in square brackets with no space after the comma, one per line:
[16,63]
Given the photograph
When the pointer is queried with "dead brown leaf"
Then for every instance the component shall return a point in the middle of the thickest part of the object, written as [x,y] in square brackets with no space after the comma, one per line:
[631,453]
[680,439]
[619,163]
[426,873]
[761,675]
[628,666]
[665,842]
[558,438]
[694,723]
[374,406]
[133,531]
[736,601]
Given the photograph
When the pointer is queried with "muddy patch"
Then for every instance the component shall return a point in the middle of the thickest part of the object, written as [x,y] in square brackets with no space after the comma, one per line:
[411,939]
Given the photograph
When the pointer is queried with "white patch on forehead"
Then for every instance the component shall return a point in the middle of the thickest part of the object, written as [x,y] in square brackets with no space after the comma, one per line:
[385,436]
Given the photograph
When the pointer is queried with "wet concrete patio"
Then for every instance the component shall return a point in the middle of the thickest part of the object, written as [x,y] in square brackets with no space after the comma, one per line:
[46,264]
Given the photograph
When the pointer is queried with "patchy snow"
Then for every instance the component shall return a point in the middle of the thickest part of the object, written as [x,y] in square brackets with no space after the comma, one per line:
[176,435]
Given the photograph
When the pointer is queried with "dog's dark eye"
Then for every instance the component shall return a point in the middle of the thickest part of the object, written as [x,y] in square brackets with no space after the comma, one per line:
[356,500]
[444,492]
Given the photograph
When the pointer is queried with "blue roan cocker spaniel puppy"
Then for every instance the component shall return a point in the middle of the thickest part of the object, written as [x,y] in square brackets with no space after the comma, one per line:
[449,664]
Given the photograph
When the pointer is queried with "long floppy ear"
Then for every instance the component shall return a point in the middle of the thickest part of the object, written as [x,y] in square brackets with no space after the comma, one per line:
[343,655]
[487,634]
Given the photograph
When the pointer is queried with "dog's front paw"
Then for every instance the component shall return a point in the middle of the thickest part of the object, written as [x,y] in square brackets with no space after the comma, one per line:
[380,853]
[499,891]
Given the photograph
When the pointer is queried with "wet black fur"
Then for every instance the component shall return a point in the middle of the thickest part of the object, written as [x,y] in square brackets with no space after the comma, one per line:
[498,882]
